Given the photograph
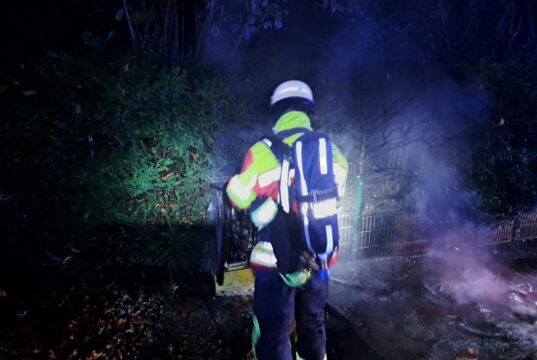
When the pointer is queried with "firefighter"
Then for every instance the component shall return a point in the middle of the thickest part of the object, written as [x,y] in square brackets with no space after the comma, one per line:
[287,290]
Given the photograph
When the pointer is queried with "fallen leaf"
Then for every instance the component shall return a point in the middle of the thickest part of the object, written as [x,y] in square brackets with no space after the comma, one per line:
[194,156]
[73,324]
[126,67]
[141,321]
[109,311]
[166,176]
[73,354]
[3,293]
[78,108]
[473,351]
[94,355]
[29,92]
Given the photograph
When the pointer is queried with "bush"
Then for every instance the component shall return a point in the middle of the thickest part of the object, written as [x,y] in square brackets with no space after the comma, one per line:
[126,141]
[155,129]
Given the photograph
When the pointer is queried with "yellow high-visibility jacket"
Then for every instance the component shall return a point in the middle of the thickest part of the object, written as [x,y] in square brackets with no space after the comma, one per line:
[259,177]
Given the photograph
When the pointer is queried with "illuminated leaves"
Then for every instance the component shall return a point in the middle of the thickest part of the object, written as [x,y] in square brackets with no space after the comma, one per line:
[158,169]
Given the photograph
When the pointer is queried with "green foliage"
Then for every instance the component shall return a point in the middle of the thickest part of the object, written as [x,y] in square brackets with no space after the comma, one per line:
[114,156]
[154,132]
[126,142]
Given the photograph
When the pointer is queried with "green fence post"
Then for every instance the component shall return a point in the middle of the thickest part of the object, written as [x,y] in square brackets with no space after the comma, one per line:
[358,196]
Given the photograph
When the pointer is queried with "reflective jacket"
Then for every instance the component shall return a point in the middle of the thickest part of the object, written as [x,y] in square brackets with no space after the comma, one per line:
[256,186]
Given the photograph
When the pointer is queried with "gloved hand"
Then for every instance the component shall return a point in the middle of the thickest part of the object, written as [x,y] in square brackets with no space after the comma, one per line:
[297,278]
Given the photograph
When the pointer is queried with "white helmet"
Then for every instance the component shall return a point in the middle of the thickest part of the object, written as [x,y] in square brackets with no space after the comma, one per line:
[291,89]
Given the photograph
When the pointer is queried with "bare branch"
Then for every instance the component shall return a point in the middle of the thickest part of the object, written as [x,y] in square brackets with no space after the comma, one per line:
[134,38]
[243,33]
[208,21]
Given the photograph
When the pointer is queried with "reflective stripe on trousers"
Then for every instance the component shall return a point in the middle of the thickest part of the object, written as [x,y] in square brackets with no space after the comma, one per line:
[262,256]
[275,306]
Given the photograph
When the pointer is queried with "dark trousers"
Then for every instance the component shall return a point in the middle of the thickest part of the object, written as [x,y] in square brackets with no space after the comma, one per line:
[275,307]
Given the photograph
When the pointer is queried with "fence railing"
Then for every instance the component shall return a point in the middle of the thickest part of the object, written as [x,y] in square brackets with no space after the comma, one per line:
[526,229]
[404,233]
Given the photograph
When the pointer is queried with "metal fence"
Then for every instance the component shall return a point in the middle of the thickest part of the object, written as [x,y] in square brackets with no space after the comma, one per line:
[346,231]
[527,227]
[403,233]
[380,235]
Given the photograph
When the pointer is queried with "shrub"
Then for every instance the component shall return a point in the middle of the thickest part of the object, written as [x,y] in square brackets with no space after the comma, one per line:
[153,130]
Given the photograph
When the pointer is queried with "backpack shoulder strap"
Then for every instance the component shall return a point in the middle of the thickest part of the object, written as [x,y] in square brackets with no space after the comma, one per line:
[277,146]
[284,154]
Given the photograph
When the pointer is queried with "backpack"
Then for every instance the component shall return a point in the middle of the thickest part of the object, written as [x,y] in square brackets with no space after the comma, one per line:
[314,189]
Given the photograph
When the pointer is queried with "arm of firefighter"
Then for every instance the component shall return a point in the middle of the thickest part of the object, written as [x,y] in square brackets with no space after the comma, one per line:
[241,188]
[341,170]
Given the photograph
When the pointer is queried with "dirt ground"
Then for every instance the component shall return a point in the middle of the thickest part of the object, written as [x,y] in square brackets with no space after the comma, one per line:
[433,308]
[232,316]
[429,307]
[117,324]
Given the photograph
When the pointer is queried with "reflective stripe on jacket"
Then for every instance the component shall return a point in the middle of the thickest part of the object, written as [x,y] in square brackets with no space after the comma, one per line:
[260,172]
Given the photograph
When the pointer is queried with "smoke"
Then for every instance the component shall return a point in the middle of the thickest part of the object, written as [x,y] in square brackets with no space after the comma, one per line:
[460,263]
[379,95]
[438,196]
[463,260]
[371,81]
[378,91]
